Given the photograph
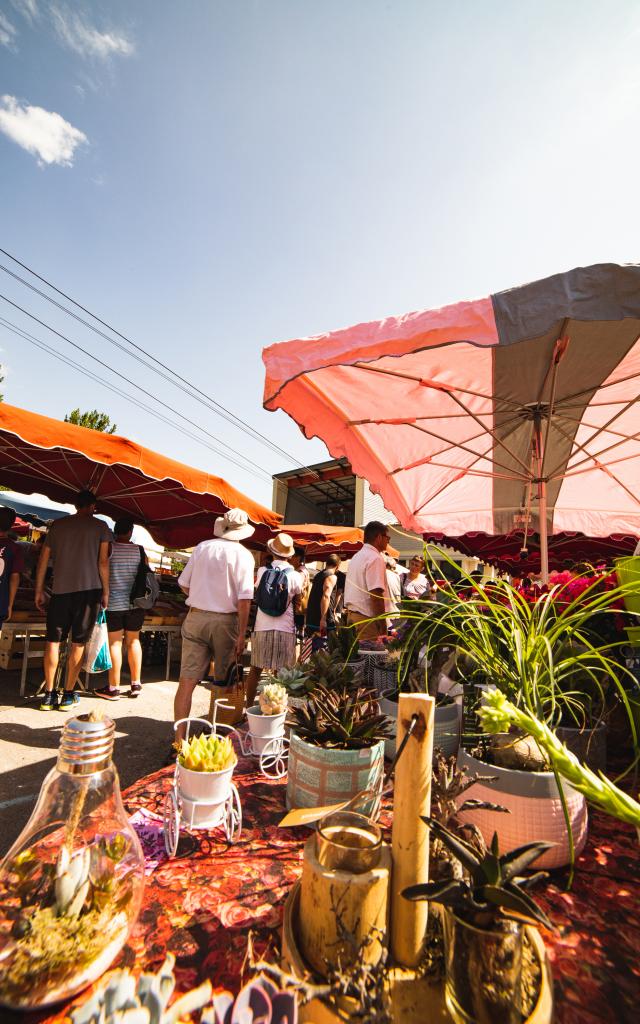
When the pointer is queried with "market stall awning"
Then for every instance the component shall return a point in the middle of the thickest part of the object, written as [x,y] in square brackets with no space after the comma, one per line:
[505,551]
[176,503]
[316,538]
[518,409]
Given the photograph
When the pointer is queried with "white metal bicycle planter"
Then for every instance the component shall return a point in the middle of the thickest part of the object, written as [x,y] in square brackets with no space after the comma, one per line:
[266,740]
[202,800]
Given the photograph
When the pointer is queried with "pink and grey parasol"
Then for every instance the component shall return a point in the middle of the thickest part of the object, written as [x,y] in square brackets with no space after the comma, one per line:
[515,411]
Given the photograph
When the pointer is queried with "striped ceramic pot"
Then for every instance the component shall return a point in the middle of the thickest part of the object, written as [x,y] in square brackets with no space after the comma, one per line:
[318,776]
[535,807]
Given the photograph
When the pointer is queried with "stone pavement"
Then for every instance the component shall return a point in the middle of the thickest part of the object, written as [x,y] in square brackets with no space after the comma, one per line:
[29,738]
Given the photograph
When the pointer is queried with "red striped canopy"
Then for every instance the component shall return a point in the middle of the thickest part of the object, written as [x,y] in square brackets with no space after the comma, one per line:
[565,549]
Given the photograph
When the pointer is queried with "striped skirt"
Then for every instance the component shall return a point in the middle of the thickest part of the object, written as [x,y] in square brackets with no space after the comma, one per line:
[271,648]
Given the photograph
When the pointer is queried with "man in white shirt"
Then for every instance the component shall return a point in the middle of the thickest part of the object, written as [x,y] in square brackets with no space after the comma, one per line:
[218,582]
[273,641]
[365,589]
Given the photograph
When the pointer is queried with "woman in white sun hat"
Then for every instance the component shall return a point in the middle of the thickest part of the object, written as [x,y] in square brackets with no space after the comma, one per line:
[273,641]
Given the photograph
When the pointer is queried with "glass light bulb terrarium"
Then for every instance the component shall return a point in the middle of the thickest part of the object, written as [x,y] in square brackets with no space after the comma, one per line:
[71,884]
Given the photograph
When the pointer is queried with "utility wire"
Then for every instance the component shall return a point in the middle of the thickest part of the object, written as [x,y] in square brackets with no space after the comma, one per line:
[193,391]
[149,394]
[38,343]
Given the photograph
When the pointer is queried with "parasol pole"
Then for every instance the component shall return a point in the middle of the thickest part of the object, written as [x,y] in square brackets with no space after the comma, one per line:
[542,499]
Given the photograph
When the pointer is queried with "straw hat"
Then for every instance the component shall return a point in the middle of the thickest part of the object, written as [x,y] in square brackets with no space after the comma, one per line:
[233,525]
[281,546]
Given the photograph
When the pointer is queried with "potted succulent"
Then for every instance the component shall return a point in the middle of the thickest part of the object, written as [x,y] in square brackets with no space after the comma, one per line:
[266,718]
[205,767]
[484,914]
[336,747]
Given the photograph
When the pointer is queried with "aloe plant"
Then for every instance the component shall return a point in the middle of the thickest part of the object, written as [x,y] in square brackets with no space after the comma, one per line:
[494,887]
[498,713]
[342,719]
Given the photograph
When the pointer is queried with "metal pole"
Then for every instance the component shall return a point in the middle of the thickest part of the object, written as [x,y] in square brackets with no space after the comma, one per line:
[542,502]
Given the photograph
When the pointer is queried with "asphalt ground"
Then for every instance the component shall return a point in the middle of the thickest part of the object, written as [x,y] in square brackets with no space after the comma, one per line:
[29,738]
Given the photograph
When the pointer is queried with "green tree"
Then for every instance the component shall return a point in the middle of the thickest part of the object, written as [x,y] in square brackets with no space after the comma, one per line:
[94,420]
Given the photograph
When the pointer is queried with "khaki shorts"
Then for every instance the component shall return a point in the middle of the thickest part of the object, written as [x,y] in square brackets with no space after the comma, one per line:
[206,636]
[365,629]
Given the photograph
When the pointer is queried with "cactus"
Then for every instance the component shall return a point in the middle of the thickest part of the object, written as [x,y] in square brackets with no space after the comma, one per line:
[209,753]
[273,699]
[145,1002]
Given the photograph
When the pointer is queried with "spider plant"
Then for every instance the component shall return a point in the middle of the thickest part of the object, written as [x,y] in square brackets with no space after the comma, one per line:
[546,656]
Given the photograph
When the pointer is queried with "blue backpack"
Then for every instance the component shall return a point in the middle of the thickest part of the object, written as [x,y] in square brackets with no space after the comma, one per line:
[272,595]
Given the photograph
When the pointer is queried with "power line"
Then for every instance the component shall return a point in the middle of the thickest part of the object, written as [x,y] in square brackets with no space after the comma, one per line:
[116,373]
[193,391]
[38,343]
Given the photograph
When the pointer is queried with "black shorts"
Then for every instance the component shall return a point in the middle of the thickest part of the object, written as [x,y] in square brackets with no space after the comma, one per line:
[129,620]
[74,612]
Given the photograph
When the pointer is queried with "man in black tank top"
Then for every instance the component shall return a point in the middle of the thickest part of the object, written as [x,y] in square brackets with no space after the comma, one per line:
[322,603]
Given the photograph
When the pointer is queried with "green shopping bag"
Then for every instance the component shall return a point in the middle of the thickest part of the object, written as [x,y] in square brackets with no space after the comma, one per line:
[97,657]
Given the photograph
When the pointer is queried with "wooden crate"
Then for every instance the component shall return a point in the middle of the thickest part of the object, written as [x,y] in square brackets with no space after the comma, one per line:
[13,642]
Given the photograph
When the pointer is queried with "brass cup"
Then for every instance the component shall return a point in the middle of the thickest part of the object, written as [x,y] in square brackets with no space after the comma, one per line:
[347,841]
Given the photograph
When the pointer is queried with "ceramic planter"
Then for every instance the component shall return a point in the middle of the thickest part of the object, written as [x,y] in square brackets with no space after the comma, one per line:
[535,809]
[318,777]
[204,792]
[446,734]
[264,728]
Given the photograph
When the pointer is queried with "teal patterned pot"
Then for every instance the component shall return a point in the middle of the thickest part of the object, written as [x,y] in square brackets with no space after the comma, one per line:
[318,777]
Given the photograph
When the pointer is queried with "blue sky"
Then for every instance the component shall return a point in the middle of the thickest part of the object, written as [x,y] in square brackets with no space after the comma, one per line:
[211,177]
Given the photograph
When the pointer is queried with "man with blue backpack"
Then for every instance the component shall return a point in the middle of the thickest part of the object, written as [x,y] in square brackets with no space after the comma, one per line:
[273,641]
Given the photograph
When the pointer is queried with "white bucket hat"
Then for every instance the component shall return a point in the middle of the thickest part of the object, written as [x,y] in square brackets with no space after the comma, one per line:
[281,546]
[233,525]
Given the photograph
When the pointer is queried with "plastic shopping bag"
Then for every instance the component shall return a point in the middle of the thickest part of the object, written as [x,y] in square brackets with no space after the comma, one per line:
[96,655]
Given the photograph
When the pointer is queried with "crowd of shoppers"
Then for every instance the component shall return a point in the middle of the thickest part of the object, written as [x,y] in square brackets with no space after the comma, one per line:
[89,568]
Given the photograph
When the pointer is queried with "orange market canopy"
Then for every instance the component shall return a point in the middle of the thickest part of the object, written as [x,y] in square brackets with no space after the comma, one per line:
[517,410]
[175,503]
[317,539]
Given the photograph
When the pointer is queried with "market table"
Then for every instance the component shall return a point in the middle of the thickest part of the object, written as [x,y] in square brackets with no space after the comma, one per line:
[201,905]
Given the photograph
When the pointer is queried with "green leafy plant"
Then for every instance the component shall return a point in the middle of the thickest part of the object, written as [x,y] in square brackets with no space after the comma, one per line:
[498,714]
[545,655]
[343,643]
[449,783]
[493,887]
[295,680]
[342,719]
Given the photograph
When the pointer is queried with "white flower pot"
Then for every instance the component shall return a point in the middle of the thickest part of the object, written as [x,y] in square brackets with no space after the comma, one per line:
[203,795]
[533,801]
[264,727]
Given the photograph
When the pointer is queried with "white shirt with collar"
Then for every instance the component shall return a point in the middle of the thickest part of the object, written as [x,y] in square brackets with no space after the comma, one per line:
[218,575]
[367,571]
[281,623]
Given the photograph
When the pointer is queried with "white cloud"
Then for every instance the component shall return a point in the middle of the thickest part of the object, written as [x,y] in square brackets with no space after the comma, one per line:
[78,35]
[42,132]
[8,32]
[28,9]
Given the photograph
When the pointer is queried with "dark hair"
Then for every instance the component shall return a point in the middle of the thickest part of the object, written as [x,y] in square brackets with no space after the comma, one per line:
[7,517]
[373,530]
[84,499]
[332,561]
[300,553]
[122,526]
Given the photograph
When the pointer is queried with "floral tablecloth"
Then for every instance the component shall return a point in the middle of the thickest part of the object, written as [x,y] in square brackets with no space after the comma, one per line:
[201,905]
